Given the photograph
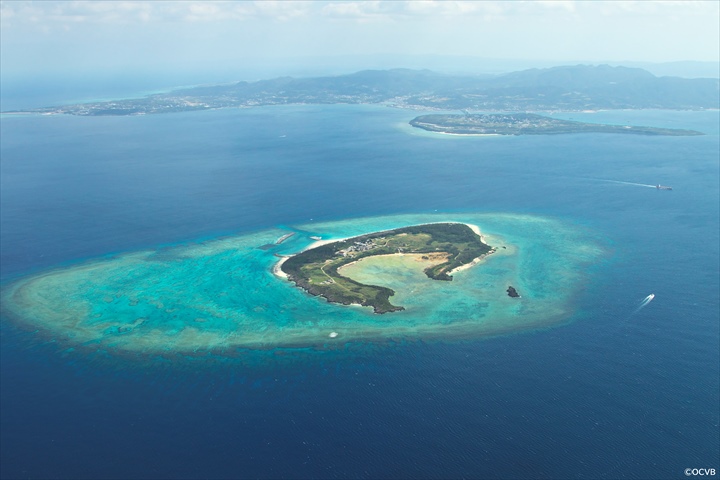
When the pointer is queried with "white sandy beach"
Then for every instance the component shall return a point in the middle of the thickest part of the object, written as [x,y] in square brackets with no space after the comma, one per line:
[471,134]
[277,270]
[477,260]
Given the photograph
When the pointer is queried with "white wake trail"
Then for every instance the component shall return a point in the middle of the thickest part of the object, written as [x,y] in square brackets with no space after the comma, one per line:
[644,302]
[628,183]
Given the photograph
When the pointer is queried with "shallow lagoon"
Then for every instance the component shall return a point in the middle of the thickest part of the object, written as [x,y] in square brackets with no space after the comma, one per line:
[221,294]
[608,394]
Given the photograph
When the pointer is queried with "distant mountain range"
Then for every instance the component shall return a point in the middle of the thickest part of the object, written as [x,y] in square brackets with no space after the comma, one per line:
[568,88]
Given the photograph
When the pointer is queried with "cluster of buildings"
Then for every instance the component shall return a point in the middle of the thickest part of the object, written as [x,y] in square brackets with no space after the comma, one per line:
[358,247]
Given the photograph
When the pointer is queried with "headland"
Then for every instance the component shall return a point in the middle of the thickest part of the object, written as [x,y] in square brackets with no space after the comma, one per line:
[528,124]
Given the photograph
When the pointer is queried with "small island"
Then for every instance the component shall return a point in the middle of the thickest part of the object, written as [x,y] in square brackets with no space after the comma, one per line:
[528,124]
[450,246]
[219,296]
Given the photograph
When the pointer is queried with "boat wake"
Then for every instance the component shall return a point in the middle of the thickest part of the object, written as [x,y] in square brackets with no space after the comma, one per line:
[628,183]
[644,302]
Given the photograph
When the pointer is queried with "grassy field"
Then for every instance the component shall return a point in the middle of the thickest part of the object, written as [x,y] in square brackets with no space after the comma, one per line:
[316,269]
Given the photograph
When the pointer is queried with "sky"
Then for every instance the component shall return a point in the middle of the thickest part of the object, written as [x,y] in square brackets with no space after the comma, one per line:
[130,36]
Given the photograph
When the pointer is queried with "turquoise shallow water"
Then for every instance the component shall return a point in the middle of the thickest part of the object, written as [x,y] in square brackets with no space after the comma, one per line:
[608,394]
[222,293]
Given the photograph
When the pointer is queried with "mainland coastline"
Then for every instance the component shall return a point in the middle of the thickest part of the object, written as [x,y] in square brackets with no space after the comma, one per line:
[577,88]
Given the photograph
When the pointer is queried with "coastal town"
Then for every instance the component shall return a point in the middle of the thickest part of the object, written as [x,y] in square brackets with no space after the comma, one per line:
[566,88]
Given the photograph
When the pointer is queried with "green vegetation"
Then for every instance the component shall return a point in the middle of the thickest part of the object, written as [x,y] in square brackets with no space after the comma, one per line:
[568,88]
[316,269]
[528,124]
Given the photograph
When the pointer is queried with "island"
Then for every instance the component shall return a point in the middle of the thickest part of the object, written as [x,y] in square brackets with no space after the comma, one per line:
[512,292]
[528,124]
[565,88]
[449,246]
[220,295]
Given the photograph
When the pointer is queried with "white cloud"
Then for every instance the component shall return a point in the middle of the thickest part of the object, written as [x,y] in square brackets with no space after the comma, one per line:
[52,12]
[567,5]
[57,12]
[229,32]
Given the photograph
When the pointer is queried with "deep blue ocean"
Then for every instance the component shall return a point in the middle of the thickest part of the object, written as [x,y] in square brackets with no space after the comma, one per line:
[611,394]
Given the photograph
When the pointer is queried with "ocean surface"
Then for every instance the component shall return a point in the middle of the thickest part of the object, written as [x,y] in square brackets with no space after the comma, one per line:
[612,391]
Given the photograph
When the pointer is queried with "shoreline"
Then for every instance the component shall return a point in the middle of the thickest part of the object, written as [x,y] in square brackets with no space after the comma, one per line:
[277,267]
[474,262]
[57,304]
[470,134]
